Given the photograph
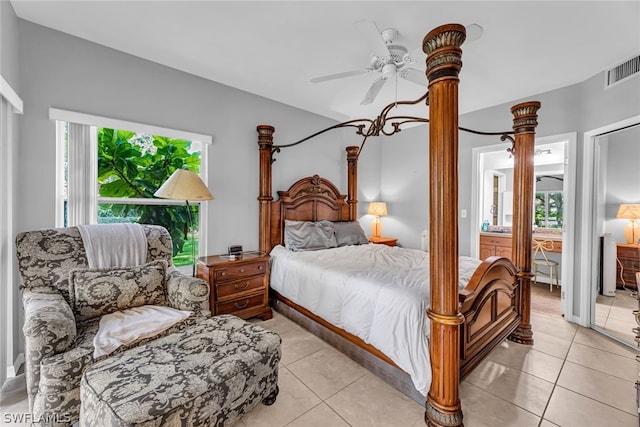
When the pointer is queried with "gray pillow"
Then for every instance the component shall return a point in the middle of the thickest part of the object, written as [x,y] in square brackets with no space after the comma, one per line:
[309,235]
[349,233]
[99,291]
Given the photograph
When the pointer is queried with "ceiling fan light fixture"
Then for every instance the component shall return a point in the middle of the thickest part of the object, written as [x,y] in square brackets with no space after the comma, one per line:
[389,70]
[389,35]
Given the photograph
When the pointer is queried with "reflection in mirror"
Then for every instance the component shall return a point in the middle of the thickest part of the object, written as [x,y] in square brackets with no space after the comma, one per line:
[617,183]
[548,203]
[497,198]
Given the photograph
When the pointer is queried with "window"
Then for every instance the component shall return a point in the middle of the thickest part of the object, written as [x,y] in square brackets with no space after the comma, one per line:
[109,175]
[548,209]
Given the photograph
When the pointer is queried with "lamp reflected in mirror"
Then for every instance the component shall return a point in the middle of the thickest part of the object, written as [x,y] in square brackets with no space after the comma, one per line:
[632,213]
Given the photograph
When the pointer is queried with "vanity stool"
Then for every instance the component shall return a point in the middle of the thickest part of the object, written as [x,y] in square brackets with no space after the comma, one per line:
[541,247]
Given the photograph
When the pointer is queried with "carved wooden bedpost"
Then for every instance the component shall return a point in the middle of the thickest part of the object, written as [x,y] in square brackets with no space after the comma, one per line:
[524,124]
[442,46]
[352,181]
[265,141]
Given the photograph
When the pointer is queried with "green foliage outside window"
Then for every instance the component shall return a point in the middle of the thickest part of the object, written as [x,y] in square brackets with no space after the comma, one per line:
[136,165]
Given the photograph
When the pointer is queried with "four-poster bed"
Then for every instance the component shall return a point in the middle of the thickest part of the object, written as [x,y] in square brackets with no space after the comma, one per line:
[465,324]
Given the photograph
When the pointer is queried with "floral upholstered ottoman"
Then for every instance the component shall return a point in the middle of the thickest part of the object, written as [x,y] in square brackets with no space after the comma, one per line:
[208,375]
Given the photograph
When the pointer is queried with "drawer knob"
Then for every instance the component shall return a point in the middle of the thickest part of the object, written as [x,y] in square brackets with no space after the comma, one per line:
[242,270]
[223,273]
[259,267]
[239,287]
[241,306]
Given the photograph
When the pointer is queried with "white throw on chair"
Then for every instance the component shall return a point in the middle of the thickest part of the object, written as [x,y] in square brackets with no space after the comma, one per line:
[541,247]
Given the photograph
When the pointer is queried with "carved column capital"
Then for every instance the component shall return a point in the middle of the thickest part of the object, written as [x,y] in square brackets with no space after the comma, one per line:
[442,46]
[525,116]
[265,136]
[352,153]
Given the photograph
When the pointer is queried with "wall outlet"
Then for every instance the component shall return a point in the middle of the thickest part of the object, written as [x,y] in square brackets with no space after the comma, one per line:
[463,213]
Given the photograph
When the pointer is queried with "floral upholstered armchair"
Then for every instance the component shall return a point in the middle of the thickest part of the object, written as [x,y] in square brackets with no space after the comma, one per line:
[59,331]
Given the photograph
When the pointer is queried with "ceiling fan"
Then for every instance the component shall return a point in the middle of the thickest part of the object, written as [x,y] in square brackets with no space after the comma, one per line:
[388,58]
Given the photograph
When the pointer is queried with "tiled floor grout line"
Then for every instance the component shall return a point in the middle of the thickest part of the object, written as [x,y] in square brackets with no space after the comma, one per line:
[315,394]
[555,383]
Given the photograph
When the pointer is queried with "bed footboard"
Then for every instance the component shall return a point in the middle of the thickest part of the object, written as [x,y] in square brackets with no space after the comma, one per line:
[490,305]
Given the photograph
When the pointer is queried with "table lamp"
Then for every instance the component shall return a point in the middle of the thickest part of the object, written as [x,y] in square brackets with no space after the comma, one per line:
[185,185]
[378,209]
[632,213]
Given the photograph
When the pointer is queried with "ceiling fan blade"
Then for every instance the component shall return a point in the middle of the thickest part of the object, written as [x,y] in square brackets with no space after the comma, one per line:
[372,35]
[417,56]
[341,75]
[415,76]
[374,90]
[474,32]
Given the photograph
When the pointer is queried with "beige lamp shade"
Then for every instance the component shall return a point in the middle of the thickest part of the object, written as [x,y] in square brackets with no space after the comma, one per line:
[628,211]
[377,208]
[632,213]
[184,184]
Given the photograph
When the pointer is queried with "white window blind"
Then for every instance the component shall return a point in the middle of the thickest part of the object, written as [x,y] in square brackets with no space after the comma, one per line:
[82,204]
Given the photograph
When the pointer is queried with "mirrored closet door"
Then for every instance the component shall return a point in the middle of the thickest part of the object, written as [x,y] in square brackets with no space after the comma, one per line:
[617,184]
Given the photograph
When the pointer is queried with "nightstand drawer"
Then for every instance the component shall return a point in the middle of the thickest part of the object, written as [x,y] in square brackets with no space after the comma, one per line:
[226,289]
[240,304]
[241,270]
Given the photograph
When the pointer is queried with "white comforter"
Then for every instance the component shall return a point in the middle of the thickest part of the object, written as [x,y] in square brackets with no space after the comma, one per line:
[376,292]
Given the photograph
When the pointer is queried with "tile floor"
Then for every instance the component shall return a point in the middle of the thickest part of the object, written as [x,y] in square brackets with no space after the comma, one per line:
[615,314]
[571,376]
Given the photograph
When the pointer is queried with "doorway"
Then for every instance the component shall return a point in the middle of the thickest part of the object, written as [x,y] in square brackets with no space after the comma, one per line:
[555,173]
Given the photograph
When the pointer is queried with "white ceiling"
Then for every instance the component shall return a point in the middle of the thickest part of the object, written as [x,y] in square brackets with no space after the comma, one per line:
[272,48]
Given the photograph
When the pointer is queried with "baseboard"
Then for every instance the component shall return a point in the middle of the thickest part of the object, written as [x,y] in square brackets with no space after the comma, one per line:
[12,371]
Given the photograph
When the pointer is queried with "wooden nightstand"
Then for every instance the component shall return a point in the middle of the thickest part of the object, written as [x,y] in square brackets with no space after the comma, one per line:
[389,241]
[629,259]
[239,286]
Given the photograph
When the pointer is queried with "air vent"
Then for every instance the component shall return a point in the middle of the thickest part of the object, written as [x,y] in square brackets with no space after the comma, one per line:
[622,72]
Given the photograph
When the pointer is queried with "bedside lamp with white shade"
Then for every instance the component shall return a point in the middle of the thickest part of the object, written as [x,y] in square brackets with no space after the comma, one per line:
[632,213]
[378,209]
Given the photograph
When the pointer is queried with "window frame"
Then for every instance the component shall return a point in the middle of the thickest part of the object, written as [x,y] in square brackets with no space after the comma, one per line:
[201,141]
[546,208]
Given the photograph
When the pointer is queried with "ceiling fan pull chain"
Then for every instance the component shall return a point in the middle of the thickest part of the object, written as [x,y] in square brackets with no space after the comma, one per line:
[396,103]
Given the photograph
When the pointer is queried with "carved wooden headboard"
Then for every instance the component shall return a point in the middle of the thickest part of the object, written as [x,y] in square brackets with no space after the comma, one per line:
[310,199]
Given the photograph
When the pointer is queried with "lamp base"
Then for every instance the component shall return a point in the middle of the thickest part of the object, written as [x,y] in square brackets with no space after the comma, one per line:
[632,233]
[376,227]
